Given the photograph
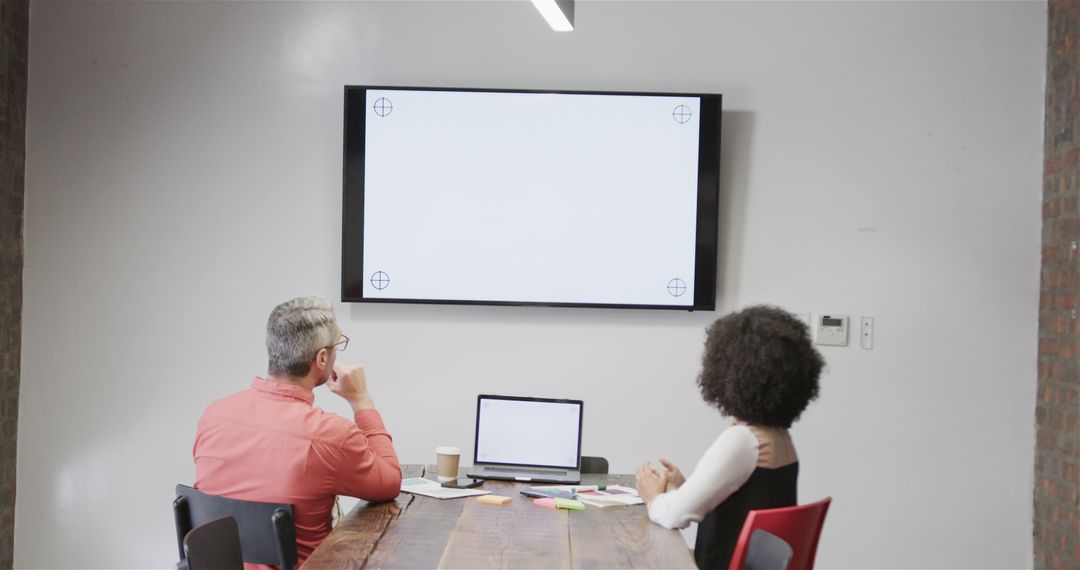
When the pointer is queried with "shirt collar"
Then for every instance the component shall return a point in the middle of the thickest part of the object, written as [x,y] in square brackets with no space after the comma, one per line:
[283,390]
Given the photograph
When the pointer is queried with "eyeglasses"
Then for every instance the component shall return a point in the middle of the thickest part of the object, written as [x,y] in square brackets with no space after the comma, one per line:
[339,345]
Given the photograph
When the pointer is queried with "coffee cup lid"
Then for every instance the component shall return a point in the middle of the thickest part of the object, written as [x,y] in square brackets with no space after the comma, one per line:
[447,450]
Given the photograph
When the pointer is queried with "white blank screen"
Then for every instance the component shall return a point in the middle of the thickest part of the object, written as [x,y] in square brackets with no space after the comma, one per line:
[528,433]
[530,197]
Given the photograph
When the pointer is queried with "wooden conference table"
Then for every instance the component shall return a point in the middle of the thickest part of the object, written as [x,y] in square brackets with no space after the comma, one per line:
[421,532]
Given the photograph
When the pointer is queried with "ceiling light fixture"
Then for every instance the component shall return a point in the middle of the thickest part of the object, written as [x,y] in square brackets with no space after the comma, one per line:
[558,13]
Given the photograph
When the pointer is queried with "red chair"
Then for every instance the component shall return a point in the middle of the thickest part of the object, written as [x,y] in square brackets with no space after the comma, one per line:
[780,538]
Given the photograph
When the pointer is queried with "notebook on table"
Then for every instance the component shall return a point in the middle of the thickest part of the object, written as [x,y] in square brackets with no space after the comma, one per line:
[536,440]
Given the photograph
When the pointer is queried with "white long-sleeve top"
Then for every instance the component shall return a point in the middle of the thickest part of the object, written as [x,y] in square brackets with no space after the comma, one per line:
[726,466]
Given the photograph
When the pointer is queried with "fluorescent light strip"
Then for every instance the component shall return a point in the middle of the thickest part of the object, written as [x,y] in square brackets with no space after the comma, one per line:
[554,15]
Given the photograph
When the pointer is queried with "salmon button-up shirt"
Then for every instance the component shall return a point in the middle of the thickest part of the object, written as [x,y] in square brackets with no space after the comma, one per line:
[270,444]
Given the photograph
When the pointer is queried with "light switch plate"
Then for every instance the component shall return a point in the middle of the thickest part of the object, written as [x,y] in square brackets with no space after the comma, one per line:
[866,332]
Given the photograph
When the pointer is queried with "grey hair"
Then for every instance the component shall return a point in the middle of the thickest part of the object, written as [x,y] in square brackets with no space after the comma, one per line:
[296,330]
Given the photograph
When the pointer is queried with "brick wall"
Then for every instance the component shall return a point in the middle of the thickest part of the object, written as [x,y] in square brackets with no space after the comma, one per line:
[14,26]
[1057,410]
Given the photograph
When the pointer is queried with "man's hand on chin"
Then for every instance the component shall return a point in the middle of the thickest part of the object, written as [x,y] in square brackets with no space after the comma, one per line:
[349,382]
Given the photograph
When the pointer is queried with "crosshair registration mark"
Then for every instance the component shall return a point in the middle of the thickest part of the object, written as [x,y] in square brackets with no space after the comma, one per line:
[380,280]
[383,106]
[676,287]
[681,114]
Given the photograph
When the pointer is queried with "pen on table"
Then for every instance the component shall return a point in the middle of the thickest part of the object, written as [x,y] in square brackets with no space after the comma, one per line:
[588,488]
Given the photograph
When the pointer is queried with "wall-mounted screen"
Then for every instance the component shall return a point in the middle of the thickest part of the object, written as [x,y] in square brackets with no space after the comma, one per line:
[530,198]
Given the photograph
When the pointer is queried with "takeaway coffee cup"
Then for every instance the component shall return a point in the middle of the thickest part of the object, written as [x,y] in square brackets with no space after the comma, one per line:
[447,459]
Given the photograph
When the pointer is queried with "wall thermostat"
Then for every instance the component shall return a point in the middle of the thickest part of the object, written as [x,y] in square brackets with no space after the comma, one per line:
[831,330]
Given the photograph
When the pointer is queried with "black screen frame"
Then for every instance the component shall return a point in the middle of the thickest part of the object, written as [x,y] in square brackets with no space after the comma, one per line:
[708,200]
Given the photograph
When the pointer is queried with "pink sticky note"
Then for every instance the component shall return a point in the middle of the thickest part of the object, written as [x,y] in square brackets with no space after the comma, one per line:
[547,502]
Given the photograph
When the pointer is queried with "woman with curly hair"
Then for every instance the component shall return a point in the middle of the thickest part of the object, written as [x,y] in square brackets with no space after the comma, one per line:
[761,369]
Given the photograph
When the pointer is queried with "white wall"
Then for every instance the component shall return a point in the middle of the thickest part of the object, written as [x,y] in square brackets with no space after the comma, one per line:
[184,176]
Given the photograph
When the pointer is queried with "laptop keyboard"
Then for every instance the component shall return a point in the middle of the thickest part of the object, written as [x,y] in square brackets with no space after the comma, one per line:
[524,470]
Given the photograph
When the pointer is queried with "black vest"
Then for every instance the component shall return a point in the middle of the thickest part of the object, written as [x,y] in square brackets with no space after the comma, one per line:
[719,530]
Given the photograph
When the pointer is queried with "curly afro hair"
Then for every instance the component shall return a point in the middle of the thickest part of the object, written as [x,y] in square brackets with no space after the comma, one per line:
[760,366]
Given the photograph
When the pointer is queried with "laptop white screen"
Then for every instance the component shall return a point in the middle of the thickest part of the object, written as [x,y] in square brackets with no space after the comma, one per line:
[527,432]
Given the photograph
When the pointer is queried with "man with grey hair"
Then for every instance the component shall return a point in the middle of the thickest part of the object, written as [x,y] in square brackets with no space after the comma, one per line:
[269,443]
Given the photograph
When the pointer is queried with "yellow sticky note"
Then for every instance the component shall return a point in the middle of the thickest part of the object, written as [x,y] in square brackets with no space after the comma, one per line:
[571,504]
[497,500]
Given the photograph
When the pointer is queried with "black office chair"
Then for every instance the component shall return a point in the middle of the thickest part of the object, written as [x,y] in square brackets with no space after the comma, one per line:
[267,531]
[597,465]
[214,546]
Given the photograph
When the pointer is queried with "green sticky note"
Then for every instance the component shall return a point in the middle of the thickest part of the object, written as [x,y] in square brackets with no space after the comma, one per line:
[571,504]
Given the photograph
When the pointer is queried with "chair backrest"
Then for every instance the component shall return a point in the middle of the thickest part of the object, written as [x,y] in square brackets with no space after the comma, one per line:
[594,465]
[800,527]
[214,546]
[766,551]
[267,531]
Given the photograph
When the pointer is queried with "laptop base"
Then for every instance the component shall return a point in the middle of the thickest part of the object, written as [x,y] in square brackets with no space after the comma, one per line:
[571,477]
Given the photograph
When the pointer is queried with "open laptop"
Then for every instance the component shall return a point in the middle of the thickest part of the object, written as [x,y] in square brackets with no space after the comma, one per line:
[527,439]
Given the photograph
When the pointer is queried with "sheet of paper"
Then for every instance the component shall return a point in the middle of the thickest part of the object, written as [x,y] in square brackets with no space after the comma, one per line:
[429,488]
[610,496]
